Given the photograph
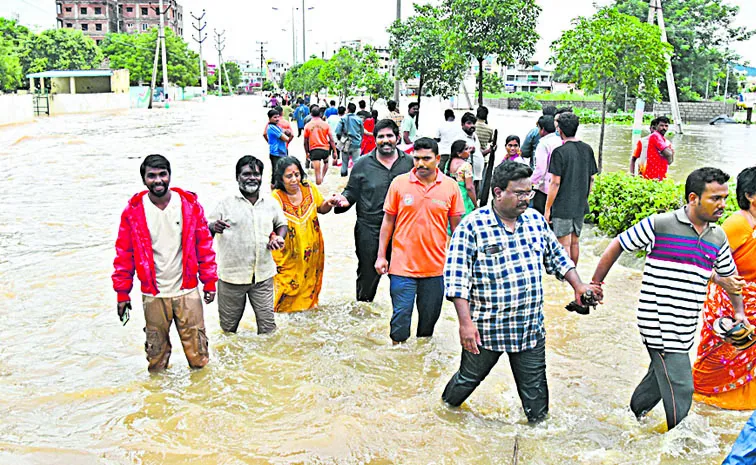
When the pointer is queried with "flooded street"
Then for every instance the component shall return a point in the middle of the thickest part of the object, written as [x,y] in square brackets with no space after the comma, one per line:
[328,387]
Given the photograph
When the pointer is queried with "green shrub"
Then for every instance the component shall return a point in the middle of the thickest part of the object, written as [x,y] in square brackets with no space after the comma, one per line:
[619,200]
[530,103]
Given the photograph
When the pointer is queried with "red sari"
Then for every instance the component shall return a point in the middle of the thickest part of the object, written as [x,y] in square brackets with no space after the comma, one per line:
[368,141]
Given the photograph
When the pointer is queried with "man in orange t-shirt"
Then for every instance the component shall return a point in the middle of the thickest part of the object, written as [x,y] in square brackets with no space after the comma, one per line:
[419,207]
[319,140]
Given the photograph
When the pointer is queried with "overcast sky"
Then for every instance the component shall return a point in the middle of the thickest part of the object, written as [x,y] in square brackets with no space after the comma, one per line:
[249,21]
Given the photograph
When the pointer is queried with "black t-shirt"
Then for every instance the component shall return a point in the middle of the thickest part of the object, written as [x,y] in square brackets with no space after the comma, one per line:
[364,114]
[575,164]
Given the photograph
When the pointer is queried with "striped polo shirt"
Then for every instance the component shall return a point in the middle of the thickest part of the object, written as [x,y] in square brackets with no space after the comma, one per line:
[677,270]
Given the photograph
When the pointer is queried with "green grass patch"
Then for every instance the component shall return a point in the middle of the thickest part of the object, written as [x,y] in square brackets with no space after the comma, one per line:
[556,96]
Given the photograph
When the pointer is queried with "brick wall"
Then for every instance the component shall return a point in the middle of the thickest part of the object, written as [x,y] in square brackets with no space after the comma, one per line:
[695,111]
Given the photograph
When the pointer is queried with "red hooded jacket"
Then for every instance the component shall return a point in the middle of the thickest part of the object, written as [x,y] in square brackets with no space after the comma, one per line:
[134,248]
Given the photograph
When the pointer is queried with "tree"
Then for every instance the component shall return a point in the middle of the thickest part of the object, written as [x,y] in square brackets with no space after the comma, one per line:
[268,86]
[609,51]
[505,29]
[231,72]
[13,37]
[306,77]
[136,53]
[492,82]
[700,32]
[421,45]
[59,49]
[341,74]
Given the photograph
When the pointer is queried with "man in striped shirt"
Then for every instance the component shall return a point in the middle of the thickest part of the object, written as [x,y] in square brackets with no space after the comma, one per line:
[684,247]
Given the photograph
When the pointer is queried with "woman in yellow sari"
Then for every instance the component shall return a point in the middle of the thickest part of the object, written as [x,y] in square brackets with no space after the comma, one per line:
[300,262]
[723,375]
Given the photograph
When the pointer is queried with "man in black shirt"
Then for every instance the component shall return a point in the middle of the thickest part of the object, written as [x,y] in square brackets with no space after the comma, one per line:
[367,187]
[572,169]
[363,113]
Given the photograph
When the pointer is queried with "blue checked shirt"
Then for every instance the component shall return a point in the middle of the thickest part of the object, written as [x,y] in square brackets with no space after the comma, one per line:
[499,272]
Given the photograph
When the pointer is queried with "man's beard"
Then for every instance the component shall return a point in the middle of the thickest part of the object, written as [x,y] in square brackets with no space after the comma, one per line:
[152,187]
[383,150]
[249,187]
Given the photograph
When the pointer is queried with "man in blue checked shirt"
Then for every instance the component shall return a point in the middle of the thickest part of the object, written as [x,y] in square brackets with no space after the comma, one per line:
[493,275]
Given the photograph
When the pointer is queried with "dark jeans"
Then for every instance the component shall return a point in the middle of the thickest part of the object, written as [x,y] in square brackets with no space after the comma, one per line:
[528,368]
[429,295]
[669,379]
[366,237]
[539,202]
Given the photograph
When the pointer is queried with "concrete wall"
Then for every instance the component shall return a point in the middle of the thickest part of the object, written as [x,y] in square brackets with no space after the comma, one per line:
[119,81]
[139,96]
[61,104]
[16,109]
[92,85]
[696,111]
[60,85]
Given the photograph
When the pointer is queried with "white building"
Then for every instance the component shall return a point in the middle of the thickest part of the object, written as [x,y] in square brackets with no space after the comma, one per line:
[527,77]
[276,70]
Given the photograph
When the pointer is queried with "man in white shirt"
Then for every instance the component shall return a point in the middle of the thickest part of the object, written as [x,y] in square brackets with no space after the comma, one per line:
[246,227]
[549,141]
[447,133]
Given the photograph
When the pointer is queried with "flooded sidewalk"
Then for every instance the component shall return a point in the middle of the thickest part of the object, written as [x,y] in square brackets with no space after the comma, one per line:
[328,387]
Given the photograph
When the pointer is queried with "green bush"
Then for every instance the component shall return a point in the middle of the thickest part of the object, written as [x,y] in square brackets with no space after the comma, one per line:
[530,103]
[619,200]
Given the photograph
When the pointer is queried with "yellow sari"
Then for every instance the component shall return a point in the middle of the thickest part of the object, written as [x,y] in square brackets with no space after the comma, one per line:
[300,263]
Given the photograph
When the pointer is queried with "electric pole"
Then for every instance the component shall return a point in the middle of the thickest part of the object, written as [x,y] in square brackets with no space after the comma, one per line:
[397,84]
[199,39]
[164,53]
[219,46]
[655,12]
[263,75]
[304,33]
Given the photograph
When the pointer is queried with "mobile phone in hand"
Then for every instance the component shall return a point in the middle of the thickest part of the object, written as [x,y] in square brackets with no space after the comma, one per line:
[125,316]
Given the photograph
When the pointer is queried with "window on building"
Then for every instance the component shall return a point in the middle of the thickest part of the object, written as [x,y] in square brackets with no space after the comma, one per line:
[98,27]
[145,11]
[98,42]
[129,9]
[83,10]
[85,27]
[69,24]
[58,8]
[144,26]
[98,10]
[130,25]
[68,9]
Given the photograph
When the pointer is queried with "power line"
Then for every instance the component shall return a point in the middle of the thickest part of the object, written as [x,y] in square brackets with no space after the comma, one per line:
[199,39]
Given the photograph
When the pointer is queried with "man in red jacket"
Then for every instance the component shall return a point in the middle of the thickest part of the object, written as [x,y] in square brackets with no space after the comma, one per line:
[165,239]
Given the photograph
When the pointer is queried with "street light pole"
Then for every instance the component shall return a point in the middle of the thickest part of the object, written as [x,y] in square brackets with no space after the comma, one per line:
[397,84]
[164,53]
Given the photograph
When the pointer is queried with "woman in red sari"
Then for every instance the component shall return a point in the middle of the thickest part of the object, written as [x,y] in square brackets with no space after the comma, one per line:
[723,375]
[368,140]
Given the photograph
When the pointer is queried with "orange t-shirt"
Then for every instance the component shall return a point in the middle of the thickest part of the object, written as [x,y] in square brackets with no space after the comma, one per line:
[740,235]
[317,132]
[418,247]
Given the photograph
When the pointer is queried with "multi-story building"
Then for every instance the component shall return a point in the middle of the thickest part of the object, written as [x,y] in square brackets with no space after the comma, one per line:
[276,70]
[527,76]
[96,18]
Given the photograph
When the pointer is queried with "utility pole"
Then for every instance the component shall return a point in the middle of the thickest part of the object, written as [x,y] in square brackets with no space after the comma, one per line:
[263,76]
[397,84]
[304,32]
[154,71]
[219,46]
[199,39]
[655,12]
[164,56]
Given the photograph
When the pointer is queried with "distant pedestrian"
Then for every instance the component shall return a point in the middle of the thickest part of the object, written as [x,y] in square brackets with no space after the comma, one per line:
[447,133]
[333,121]
[512,147]
[349,131]
[308,118]
[548,140]
[164,238]
[283,124]
[640,152]
[368,185]
[300,114]
[319,141]
[363,113]
[460,169]
[368,139]
[478,154]
[572,169]
[331,110]
[419,207]
[530,142]
[482,129]
[395,115]
[499,310]
[659,152]
[246,227]
[277,139]
[408,129]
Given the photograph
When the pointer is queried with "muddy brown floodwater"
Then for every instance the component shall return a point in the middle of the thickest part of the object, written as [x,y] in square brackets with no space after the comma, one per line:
[328,387]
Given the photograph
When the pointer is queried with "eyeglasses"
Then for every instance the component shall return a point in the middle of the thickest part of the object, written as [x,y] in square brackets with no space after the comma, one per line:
[524,195]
